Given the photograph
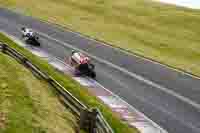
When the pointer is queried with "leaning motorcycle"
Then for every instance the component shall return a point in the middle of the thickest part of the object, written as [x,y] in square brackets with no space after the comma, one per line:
[86,69]
[33,40]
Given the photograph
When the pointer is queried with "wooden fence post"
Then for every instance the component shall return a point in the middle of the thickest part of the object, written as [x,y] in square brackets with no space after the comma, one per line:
[84,119]
[93,119]
[88,120]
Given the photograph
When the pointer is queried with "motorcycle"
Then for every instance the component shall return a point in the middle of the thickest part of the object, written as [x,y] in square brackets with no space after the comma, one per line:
[33,41]
[31,38]
[85,69]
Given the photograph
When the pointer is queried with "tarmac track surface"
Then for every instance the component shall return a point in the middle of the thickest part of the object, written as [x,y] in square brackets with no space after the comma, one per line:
[168,97]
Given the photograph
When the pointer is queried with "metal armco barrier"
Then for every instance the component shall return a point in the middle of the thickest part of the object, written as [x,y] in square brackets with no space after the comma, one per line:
[90,120]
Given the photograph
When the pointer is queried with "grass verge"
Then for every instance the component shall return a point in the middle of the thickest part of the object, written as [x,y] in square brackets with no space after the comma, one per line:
[28,105]
[161,32]
[76,89]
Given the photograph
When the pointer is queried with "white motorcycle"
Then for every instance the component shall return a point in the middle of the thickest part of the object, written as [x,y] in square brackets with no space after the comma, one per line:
[30,37]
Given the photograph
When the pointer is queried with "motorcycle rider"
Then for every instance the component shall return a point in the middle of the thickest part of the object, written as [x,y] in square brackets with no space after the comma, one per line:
[26,32]
[77,58]
[82,64]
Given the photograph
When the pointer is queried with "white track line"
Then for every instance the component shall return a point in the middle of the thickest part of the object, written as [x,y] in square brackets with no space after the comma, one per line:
[134,75]
[129,53]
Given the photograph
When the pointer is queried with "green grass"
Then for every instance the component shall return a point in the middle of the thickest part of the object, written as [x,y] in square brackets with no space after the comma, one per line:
[161,32]
[28,105]
[76,89]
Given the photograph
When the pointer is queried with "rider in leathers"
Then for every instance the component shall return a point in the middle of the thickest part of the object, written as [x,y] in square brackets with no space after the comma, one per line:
[26,32]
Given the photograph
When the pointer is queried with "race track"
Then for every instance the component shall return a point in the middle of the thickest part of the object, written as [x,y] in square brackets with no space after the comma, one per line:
[169,98]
